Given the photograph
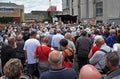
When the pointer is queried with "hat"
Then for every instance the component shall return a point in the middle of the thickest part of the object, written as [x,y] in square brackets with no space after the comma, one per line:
[98,38]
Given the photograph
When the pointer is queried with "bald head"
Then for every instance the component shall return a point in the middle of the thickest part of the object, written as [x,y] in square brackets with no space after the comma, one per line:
[89,72]
[55,58]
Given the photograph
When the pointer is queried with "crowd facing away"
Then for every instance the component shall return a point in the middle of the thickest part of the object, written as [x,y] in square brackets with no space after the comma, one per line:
[67,51]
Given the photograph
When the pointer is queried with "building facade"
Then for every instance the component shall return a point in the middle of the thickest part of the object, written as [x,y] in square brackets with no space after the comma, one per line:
[100,10]
[66,6]
[41,15]
[12,10]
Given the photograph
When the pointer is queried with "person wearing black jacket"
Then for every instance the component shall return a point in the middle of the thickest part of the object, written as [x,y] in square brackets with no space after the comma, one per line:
[83,46]
[8,51]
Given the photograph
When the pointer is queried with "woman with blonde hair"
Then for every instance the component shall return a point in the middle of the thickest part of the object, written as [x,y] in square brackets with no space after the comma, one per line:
[12,69]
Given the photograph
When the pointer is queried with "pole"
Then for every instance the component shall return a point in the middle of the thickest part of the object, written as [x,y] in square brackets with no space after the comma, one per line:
[49,3]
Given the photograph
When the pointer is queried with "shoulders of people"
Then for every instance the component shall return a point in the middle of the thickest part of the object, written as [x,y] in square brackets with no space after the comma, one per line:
[5,46]
[63,70]
[106,47]
[69,49]
[31,41]
[100,52]
[56,36]
[116,44]
[22,77]
[110,37]
[44,47]
[114,75]
[95,47]
[50,35]
[83,38]
[20,42]
[70,42]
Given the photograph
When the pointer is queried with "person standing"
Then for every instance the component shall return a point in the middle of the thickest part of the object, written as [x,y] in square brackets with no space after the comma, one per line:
[98,58]
[112,60]
[56,39]
[50,36]
[83,46]
[116,47]
[70,43]
[20,44]
[30,48]
[8,51]
[58,71]
[68,53]
[42,52]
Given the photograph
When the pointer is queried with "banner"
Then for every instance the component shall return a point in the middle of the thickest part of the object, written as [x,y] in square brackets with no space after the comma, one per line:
[93,22]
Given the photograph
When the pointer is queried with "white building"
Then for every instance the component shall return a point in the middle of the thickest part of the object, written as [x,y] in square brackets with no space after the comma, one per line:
[100,10]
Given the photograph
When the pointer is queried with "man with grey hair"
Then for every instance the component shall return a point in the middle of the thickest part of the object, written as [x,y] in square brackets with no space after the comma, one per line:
[57,71]
[98,58]
[55,59]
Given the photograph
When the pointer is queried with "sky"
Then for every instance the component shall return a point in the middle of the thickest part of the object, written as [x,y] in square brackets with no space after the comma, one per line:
[30,5]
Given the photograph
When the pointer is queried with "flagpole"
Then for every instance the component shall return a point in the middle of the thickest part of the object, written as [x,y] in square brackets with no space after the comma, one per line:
[49,3]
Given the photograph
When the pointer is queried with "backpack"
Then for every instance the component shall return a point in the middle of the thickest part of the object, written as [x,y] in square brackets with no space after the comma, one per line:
[105,69]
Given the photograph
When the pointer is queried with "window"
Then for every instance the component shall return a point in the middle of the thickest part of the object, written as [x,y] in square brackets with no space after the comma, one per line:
[99,9]
[72,11]
[6,10]
[67,3]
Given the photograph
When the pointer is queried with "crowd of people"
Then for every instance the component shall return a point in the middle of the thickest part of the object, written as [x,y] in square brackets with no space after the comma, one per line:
[67,51]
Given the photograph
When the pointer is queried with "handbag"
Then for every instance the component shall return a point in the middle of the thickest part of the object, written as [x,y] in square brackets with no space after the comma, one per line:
[105,69]
[68,63]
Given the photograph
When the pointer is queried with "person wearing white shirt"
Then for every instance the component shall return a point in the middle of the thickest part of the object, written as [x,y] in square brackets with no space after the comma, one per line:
[30,47]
